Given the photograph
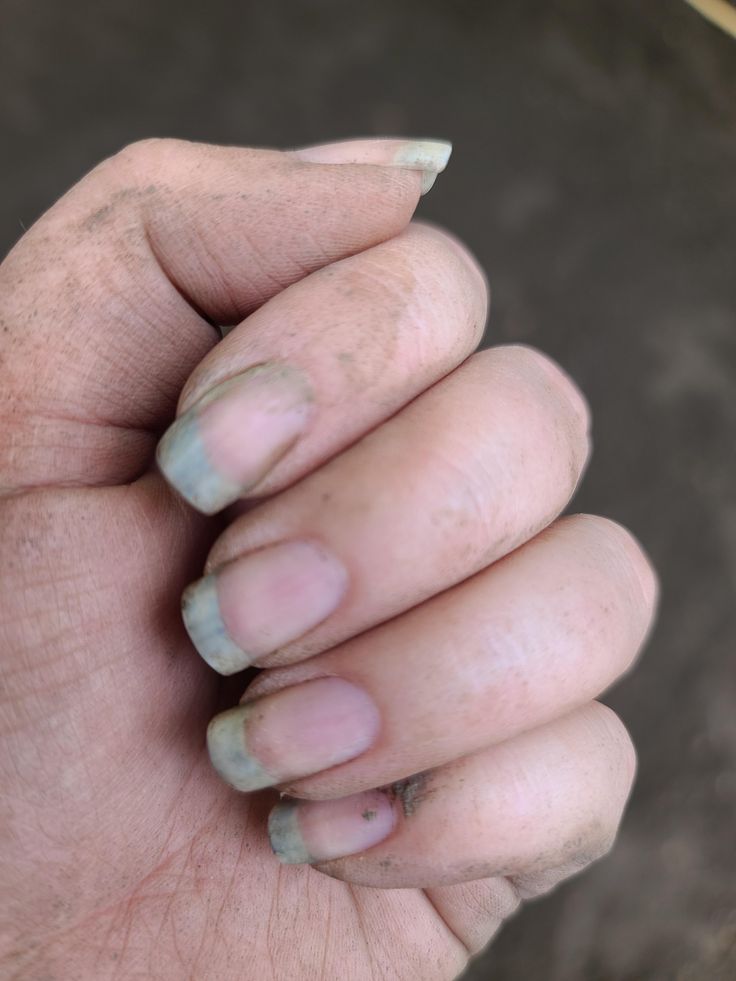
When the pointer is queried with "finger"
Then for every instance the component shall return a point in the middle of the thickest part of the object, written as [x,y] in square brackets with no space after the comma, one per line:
[106,304]
[475,910]
[278,396]
[541,632]
[465,474]
[535,809]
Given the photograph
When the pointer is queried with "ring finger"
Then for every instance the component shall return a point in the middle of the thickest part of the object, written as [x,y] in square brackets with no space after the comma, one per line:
[539,633]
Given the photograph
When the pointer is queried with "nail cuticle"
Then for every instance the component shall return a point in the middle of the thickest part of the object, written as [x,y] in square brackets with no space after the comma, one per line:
[227,442]
[250,607]
[318,832]
[292,734]
[227,744]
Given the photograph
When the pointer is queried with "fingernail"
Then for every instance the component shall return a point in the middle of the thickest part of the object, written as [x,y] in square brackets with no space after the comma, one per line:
[428,156]
[293,733]
[318,831]
[428,179]
[257,604]
[228,441]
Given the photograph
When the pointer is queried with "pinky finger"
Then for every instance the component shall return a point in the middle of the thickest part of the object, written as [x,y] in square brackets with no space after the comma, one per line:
[534,810]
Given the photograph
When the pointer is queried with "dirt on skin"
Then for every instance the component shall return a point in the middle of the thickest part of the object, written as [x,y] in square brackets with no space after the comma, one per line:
[412,791]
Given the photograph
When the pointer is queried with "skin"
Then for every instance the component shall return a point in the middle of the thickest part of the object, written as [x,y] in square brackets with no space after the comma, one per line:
[472,627]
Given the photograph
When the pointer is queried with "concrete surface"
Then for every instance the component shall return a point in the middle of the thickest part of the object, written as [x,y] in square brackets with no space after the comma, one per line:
[595,175]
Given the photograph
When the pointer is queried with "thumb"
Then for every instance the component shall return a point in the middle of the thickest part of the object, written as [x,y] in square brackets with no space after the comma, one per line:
[109,301]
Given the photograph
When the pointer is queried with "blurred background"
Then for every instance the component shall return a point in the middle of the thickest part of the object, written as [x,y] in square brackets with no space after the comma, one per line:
[594,174]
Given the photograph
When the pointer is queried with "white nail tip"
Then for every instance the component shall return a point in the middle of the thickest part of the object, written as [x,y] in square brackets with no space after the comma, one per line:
[428,179]
[285,836]
[182,459]
[427,155]
[228,749]
[274,389]
[200,610]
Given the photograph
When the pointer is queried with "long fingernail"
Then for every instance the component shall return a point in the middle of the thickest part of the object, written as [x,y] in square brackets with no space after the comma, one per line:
[318,831]
[257,604]
[293,733]
[428,156]
[228,441]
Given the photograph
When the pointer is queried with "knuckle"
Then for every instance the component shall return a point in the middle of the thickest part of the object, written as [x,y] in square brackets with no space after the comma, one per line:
[551,378]
[591,844]
[597,845]
[143,158]
[548,404]
[435,282]
[626,555]
[147,150]
[621,755]
[137,172]
[585,846]
[603,784]
[460,274]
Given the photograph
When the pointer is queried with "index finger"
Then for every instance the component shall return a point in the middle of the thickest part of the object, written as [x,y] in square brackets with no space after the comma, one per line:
[109,301]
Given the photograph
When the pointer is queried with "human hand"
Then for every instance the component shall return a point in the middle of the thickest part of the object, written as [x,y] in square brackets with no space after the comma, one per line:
[400,572]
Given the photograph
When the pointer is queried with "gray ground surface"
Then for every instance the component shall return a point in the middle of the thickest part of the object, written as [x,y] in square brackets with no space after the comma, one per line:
[595,175]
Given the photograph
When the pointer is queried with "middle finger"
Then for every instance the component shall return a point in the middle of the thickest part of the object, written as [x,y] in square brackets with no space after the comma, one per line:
[469,471]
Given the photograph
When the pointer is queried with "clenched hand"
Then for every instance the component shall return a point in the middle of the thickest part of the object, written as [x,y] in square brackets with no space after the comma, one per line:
[348,499]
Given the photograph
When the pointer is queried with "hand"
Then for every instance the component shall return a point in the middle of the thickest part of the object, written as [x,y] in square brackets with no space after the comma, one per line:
[427,622]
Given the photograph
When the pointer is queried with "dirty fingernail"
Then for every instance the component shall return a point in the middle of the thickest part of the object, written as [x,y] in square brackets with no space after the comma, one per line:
[228,441]
[257,604]
[428,156]
[428,179]
[318,831]
[292,733]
